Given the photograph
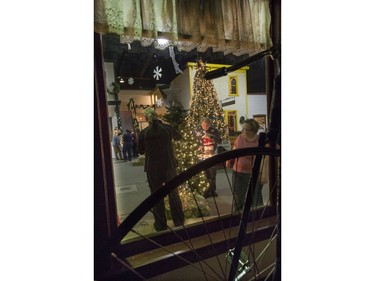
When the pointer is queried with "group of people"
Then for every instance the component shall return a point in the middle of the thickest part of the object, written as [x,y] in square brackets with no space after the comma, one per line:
[155,142]
[125,146]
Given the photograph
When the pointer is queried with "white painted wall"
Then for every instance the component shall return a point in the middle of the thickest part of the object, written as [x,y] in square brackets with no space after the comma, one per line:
[184,83]
[246,105]
[257,104]
[109,76]
[109,73]
[182,89]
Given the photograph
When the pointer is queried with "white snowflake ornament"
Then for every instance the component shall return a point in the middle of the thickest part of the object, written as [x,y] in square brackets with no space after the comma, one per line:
[159,103]
[131,81]
[157,73]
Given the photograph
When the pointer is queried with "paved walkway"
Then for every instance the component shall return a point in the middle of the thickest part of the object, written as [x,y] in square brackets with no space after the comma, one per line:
[132,188]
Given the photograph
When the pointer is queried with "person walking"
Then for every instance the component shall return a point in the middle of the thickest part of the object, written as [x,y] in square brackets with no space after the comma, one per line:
[243,166]
[155,142]
[127,148]
[208,138]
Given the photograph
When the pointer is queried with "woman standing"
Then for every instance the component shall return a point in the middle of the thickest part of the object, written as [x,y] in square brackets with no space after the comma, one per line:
[242,167]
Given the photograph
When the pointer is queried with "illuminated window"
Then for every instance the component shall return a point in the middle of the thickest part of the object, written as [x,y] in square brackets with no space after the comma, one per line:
[231,119]
[233,86]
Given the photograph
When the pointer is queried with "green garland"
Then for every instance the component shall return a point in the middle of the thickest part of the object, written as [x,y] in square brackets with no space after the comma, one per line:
[115,89]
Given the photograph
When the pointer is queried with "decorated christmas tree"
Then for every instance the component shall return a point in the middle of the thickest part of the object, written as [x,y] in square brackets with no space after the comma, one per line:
[193,204]
[205,103]
[175,116]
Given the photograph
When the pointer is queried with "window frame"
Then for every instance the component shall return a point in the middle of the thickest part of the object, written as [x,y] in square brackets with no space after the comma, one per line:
[230,86]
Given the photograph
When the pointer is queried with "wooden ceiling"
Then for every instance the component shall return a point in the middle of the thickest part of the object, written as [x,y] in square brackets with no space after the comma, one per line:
[139,64]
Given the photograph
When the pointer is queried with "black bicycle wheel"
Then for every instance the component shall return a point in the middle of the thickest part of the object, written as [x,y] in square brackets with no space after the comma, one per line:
[227,244]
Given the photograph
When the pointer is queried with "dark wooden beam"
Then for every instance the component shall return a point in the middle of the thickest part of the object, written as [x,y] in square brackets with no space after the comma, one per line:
[105,214]
[146,64]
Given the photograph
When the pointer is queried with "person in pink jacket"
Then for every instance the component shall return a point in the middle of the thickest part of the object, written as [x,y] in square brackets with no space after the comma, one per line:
[242,166]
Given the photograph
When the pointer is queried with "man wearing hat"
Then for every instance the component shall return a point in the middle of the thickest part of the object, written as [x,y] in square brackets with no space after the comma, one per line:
[155,142]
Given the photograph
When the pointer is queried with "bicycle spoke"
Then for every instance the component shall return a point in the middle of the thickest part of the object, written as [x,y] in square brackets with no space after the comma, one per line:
[204,242]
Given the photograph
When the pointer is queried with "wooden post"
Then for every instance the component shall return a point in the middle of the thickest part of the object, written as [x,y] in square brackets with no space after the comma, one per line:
[105,210]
